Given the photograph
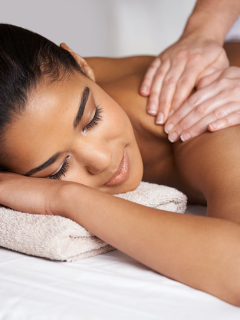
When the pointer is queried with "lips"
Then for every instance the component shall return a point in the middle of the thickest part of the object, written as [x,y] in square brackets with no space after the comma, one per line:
[122,173]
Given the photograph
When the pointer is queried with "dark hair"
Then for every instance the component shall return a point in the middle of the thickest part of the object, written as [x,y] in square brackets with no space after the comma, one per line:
[25,58]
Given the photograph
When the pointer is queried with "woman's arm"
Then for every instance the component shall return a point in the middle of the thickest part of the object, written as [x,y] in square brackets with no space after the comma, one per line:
[203,253]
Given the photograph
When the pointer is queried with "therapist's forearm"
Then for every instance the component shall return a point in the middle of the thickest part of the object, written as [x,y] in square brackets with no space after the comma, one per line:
[212,18]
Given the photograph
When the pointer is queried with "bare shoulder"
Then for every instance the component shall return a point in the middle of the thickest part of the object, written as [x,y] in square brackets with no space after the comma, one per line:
[211,164]
[121,79]
[110,69]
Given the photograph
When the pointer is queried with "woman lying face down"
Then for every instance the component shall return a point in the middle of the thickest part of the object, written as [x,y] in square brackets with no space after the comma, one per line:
[56,122]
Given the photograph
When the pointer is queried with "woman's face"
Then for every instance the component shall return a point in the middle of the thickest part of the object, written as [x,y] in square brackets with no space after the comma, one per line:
[72,130]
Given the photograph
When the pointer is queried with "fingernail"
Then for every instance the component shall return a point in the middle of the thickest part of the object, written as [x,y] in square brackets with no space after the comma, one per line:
[173,137]
[213,125]
[160,118]
[152,108]
[171,112]
[143,89]
[185,136]
[168,127]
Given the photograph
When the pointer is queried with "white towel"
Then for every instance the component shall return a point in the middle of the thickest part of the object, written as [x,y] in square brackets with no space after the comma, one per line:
[59,238]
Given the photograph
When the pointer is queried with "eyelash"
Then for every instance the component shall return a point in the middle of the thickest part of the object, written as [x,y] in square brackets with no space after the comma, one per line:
[97,117]
[62,171]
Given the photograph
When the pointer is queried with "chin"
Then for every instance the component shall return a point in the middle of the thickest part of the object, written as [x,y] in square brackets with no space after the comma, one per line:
[133,181]
[122,188]
[135,173]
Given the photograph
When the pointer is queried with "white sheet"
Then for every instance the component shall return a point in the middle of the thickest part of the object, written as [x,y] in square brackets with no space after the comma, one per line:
[111,286]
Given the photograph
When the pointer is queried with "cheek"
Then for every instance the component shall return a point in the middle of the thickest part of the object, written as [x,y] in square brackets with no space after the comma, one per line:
[117,122]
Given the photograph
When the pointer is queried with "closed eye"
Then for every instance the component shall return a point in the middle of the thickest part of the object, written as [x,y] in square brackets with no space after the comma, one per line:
[62,171]
[97,117]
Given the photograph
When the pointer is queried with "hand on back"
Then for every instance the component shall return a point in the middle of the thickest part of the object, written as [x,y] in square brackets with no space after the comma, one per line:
[192,62]
[214,106]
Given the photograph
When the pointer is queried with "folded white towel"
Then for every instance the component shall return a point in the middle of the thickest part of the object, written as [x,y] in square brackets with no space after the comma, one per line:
[59,238]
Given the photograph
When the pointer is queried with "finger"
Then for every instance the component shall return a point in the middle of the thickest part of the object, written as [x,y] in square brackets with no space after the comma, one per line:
[184,131]
[184,88]
[198,128]
[206,93]
[168,88]
[177,116]
[152,105]
[148,78]
[196,122]
[196,107]
[221,118]
[232,119]
[191,75]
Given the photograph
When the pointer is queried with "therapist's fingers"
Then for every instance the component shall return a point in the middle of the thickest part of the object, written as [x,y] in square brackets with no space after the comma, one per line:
[224,90]
[218,106]
[168,88]
[232,119]
[220,116]
[190,122]
[148,78]
[178,82]
[226,121]
[152,106]
[187,82]
[199,65]
[184,88]
[195,108]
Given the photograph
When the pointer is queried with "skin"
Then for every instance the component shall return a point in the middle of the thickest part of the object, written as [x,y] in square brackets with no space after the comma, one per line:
[202,252]
[198,53]
[214,106]
[50,113]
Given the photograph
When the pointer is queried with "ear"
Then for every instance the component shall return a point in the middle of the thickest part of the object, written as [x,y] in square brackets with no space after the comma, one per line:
[83,64]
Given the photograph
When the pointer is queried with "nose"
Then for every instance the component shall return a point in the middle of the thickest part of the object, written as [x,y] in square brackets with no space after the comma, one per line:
[95,156]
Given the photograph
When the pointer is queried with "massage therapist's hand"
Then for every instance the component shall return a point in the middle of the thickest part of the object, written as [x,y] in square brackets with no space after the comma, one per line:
[214,106]
[33,195]
[173,74]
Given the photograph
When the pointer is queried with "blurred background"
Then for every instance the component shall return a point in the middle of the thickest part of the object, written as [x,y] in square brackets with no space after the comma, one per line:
[105,27]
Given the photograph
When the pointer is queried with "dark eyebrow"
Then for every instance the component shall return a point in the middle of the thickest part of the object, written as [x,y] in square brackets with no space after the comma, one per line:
[44,165]
[81,109]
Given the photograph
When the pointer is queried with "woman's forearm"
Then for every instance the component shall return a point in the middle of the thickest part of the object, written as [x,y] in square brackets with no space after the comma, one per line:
[203,253]
[212,18]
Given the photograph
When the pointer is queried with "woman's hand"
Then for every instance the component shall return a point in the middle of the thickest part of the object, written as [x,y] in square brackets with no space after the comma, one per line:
[214,106]
[173,74]
[32,195]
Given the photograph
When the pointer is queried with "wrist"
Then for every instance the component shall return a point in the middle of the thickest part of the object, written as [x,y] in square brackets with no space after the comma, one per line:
[203,25]
[62,199]
[75,201]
